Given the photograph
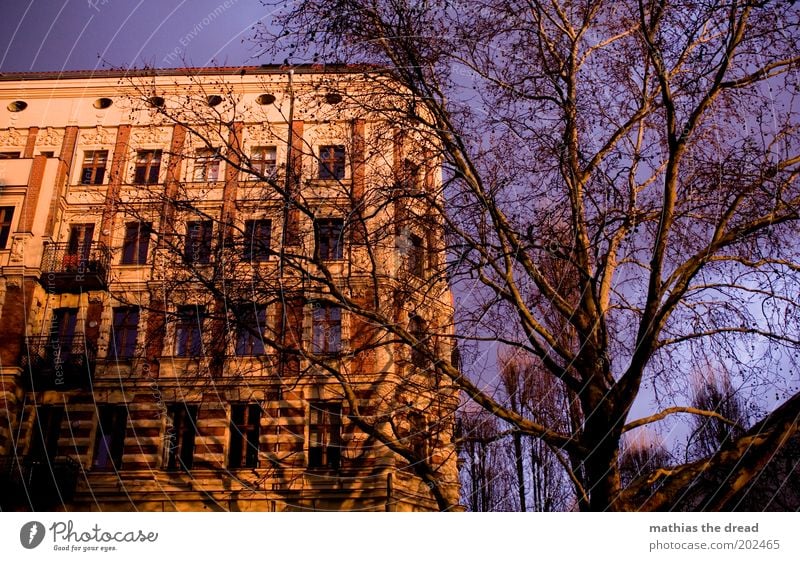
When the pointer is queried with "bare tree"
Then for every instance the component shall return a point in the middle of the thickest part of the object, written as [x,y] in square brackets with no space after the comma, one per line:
[649,151]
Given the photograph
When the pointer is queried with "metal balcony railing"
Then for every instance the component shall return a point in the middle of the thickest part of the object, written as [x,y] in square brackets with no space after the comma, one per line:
[58,363]
[71,268]
[37,484]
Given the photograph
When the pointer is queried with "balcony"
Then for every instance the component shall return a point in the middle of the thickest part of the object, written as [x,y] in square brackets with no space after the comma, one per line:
[70,269]
[37,484]
[58,363]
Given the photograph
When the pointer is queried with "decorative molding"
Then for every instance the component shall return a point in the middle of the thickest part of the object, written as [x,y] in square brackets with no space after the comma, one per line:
[50,137]
[13,137]
[97,135]
[151,134]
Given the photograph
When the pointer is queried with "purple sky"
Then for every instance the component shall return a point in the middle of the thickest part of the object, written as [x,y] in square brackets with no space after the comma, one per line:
[47,35]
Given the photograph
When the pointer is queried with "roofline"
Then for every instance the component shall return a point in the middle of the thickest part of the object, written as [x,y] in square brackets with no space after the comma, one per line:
[191,71]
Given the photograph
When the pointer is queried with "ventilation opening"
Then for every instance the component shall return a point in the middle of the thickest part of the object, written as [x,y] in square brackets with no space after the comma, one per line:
[333,98]
[155,101]
[17,106]
[102,103]
[214,100]
[265,99]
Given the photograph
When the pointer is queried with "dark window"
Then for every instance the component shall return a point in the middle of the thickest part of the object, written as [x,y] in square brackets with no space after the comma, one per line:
[331,162]
[46,430]
[9,155]
[330,238]
[416,256]
[62,329]
[418,330]
[251,322]
[264,161]
[206,165]
[136,243]
[79,247]
[198,241]
[94,167]
[245,430]
[325,430]
[188,331]
[48,154]
[148,164]
[110,439]
[327,329]
[6,215]
[418,437]
[124,332]
[181,431]
[257,237]
[411,176]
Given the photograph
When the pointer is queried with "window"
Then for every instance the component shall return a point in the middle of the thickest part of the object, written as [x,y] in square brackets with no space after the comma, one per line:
[46,430]
[264,162]
[62,329]
[181,431]
[206,165]
[94,167]
[418,329]
[331,162]
[252,320]
[416,256]
[245,430]
[9,155]
[327,329]
[148,164]
[329,238]
[418,434]
[110,439]
[257,234]
[79,247]
[6,215]
[188,331]
[47,153]
[198,241]
[324,432]
[411,176]
[136,243]
[124,332]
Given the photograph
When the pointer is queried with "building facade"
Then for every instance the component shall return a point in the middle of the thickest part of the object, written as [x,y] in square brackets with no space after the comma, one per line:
[219,291]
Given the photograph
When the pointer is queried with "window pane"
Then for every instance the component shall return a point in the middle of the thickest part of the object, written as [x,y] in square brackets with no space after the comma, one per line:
[188,331]
[329,238]
[251,323]
[6,214]
[110,437]
[136,243]
[326,329]
[331,162]
[198,241]
[257,234]
[125,330]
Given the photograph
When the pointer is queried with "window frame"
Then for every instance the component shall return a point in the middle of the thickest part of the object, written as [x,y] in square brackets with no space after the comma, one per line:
[251,318]
[109,441]
[329,246]
[415,258]
[261,165]
[326,328]
[332,162]
[198,241]
[189,331]
[150,166]
[124,333]
[325,435]
[6,223]
[245,434]
[257,249]
[96,167]
[136,243]
[180,442]
[206,165]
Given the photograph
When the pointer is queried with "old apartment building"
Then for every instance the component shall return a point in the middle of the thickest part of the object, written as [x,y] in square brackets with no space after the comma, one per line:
[220,290]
